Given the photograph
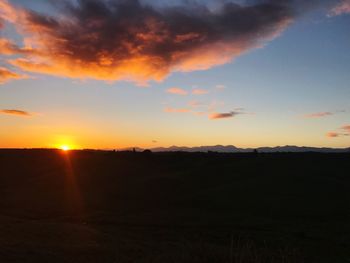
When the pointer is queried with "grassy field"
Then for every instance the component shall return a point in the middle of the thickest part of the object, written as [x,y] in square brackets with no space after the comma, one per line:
[97,206]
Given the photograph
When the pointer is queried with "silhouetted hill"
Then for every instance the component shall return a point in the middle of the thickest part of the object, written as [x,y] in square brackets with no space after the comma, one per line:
[233,149]
[216,148]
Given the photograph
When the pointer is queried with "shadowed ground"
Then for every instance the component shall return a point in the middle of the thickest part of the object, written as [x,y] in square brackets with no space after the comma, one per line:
[96,206]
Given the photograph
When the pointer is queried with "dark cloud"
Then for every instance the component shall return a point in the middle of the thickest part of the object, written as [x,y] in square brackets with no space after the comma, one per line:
[20,113]
[125,39]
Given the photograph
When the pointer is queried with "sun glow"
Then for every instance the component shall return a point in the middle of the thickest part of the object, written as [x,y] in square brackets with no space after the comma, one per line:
[65,148]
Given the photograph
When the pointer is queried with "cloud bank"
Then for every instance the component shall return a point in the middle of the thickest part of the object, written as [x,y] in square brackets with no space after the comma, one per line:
[127,40]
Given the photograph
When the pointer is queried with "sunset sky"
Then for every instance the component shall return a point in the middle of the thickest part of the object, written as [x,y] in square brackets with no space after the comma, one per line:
[123,73]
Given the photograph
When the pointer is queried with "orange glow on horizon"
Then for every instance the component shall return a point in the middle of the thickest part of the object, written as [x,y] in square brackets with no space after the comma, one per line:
[65,148]
[65,142]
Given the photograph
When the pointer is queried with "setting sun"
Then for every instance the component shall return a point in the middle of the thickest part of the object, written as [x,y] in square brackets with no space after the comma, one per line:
[65,148]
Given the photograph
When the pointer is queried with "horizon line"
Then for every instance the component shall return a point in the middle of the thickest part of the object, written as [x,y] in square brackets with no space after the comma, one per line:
[137,148]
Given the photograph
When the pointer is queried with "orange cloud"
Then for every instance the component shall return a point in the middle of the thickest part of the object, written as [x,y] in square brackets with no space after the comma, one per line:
[20,113]
[343,131]
[199,91]
[8,12]
[126,40]
[177,91]
[7,47]
[346,128]
[6,75]
[332,134]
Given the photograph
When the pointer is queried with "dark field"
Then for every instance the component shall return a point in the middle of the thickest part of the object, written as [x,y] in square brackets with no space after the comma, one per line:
[95,206]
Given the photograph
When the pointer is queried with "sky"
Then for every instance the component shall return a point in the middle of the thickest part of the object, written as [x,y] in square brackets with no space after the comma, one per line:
[115,74]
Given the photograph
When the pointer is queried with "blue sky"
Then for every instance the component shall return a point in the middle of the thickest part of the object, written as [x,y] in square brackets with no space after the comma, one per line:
[277,94]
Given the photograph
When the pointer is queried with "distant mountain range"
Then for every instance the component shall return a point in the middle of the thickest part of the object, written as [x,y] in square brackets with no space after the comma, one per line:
[233,149]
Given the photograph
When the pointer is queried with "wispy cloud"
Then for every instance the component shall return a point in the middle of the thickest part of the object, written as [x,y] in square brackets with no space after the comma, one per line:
[225,115]
[342,131]
[220,87]
[318,115]
[202,109]
[199,91]
[7,11]
[128,40]
[7,47]
[343,7]
[199,113]
[177,91]
[215,105]
[346,128]
[195,104]
[19,113]
[7,75]
[176,110]
[333,134]
[323,114]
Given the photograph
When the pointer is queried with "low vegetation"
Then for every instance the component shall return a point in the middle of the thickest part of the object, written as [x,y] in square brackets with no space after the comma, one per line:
[104,206]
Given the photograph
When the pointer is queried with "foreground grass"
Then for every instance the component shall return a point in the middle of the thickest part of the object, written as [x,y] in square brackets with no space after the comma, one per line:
[127,207]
